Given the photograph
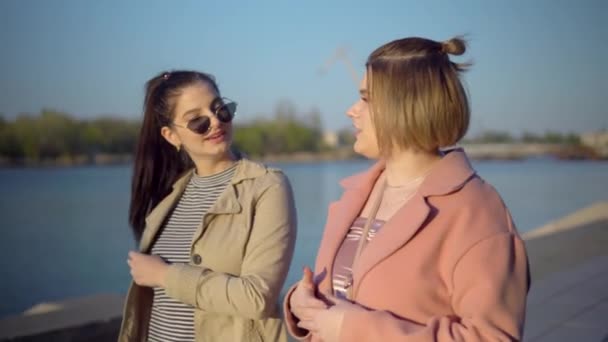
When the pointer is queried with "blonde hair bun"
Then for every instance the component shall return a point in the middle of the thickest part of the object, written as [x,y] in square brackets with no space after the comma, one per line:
[455,46]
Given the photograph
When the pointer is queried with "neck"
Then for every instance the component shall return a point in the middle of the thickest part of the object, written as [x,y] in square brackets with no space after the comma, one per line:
[212,165]
[405,166]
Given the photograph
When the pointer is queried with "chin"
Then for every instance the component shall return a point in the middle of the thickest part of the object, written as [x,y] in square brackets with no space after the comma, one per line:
[214,152]
[221,149]
[366,151]
[360,150]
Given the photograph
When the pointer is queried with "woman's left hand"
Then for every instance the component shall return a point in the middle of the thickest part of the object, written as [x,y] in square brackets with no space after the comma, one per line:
[147,270]
[326,324]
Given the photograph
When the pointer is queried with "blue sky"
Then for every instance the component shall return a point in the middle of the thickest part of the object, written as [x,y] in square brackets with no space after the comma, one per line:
[537,64]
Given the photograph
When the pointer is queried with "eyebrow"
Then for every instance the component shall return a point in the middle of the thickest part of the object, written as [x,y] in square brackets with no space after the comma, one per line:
[363,92]
[192,111]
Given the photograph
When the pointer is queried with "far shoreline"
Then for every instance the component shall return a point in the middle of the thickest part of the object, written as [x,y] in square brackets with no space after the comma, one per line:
[475,151]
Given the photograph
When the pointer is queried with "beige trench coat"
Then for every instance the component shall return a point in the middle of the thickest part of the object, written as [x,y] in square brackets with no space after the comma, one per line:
[240,256]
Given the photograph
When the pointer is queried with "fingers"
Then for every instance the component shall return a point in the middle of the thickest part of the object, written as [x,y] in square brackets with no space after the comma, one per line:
[307,276]
[304,297]
[307,325]
[307,307]
[132,271]
[134,257]
[134,254]
[333,300]
[306,283]
[307,314]
[313,302]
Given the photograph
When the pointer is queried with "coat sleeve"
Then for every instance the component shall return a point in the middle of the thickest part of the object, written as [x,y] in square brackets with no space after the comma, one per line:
[291,321]
[490,285]
[254,294]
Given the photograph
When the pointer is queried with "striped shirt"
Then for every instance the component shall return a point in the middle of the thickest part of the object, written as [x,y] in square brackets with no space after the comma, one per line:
[393,198]
[342,275]
[170,319]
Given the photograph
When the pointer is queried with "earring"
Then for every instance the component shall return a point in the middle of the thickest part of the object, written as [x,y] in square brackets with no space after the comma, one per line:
[178,147]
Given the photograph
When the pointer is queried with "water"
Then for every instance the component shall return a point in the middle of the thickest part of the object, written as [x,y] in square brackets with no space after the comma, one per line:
[65,234]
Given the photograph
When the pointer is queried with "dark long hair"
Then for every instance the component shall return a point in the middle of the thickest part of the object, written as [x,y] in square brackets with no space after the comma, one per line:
[157,163]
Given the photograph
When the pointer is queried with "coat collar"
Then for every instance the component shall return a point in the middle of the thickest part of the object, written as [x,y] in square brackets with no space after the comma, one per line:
[226,203]
[245,169]
[450,174]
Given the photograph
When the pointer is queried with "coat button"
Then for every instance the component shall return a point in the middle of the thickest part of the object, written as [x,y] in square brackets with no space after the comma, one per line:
[196,259]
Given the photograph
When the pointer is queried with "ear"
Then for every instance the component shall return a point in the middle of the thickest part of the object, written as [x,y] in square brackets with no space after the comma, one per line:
[171,136]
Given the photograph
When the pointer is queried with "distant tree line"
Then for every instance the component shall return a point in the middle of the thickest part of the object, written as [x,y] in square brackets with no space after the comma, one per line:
[286,132]
[51,135]
[549,137]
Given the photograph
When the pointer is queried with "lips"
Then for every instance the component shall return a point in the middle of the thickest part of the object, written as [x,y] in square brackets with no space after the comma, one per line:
[216,136]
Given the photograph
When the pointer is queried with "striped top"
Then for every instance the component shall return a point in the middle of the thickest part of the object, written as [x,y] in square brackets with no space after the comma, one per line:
[170,319]
[393,198]
[342,274]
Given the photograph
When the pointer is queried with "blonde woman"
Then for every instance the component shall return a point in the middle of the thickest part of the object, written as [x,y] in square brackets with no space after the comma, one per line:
[419,247]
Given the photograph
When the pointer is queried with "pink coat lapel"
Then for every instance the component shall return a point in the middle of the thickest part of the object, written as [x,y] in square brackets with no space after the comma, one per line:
[341,214]
[394,235]
[449,175]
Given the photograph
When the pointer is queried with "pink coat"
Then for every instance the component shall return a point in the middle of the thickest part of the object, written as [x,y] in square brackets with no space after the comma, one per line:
[448,266]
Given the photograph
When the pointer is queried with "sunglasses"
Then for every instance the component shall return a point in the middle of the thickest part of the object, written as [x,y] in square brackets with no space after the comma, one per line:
[223,109]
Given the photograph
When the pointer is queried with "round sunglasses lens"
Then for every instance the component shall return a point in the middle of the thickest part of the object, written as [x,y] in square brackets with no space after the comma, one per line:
[200,125]
[226,112]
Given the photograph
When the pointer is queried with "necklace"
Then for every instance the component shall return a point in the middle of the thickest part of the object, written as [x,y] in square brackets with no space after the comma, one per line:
[416,181]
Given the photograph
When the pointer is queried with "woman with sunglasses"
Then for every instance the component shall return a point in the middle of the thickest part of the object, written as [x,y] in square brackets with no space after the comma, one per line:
[216,231]
[419,247]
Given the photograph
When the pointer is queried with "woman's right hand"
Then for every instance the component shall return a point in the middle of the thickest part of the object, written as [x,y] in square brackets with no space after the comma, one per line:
[303,301]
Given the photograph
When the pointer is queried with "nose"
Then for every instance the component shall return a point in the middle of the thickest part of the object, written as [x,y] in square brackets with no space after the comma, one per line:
[213,120]
[352,111]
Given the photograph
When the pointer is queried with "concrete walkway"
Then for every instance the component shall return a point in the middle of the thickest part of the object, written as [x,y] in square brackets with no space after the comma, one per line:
[570,305]
[93,318]
[568,300]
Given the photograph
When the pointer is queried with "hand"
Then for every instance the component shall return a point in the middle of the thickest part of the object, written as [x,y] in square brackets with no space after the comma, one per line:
[147,270]
[326,324]
[303,299]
